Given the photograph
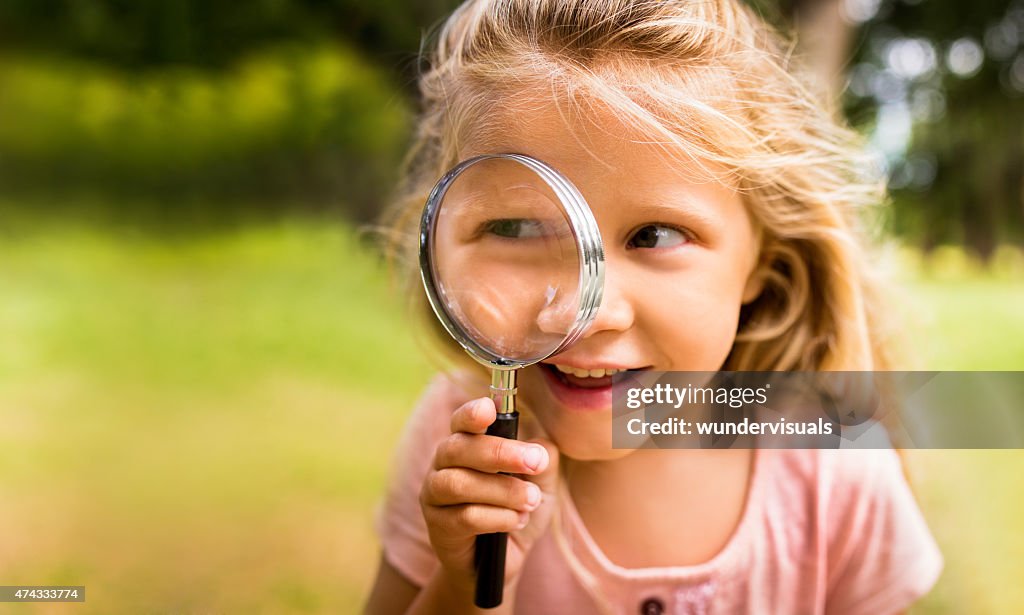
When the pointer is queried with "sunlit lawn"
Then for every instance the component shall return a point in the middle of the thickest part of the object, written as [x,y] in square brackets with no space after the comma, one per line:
[203,424]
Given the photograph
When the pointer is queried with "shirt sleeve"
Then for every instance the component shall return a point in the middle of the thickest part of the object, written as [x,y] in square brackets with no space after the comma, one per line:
[882,557]
[399,520]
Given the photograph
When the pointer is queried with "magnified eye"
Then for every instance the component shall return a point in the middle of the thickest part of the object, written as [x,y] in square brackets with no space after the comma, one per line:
[516,228]
[657,236]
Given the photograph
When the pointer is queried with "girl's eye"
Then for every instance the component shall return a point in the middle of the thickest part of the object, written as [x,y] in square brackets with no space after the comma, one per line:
[516,228]
[657,236]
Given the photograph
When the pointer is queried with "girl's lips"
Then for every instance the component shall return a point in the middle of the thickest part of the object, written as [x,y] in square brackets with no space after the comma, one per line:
[579,394]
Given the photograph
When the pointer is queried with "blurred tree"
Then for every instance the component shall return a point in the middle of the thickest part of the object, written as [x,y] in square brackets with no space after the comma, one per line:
[117,96]
[823,33]
[943,85]
[143,34]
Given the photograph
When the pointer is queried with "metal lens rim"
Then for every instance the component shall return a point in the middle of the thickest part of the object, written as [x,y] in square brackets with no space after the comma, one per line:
[588,247]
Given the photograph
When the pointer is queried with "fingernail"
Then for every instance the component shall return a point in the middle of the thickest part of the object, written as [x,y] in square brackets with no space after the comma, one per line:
[534,456]
[532,495]
[524,518]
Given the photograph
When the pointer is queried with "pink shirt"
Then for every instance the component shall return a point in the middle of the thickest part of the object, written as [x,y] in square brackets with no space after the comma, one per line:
[823,531]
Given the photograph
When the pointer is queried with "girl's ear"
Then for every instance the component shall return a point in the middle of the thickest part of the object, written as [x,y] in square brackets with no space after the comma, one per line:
[759,265]
[755,284]
[758,271]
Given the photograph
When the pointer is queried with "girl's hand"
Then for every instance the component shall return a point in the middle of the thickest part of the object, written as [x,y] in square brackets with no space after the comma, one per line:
[463,495]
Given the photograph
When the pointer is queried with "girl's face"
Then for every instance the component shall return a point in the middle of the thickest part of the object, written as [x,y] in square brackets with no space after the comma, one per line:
[680,253]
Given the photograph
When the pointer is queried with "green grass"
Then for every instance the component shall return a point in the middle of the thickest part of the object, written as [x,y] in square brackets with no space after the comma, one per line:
[204,423]
[959,316]
[194,424]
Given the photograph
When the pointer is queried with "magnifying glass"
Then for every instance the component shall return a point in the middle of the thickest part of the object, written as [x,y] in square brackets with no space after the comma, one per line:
[513,266]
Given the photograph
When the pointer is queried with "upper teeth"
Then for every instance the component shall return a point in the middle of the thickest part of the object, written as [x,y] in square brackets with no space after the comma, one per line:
[587,373]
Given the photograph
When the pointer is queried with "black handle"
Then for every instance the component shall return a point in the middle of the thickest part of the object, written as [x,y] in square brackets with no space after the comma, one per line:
[490,548]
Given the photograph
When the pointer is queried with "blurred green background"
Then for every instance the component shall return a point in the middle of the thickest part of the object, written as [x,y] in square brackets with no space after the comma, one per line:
[203,369]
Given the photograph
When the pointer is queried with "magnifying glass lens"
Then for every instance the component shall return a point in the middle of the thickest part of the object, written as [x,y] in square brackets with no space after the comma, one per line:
[505,260]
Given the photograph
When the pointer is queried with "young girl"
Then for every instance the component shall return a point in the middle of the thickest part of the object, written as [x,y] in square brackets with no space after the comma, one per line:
[727,199]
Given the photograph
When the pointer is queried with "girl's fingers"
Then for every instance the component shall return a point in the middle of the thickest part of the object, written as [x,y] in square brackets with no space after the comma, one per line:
[457,522]
[454,486]
[490,454]
[546,479]
[473,416]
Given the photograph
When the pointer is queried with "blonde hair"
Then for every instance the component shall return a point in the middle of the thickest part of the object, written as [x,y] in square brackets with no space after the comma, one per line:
[713,82]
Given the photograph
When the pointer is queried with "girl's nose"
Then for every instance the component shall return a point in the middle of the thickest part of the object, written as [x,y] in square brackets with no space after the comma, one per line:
[617,312]
[559,310]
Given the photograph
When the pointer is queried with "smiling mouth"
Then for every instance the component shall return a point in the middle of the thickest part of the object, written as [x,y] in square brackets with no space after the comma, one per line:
[585,379]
